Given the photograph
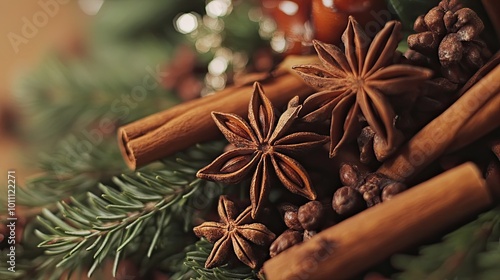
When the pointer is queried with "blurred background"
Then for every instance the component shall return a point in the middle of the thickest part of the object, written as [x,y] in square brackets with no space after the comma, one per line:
[61,32]
[73,70]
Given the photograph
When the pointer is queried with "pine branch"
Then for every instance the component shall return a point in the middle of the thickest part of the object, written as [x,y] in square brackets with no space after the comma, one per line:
[69,171]
[141,210]
[463,254]
[82,96]
[194,261]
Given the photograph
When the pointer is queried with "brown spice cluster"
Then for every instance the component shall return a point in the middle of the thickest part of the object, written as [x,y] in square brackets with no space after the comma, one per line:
[356,85]
[448,37]
[302,222]
[362,190]
[366,92]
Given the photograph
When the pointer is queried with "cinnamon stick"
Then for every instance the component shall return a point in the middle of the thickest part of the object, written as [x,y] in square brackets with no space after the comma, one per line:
[346,249]
[182,126]
[482,123]
[437,136]
[145,125]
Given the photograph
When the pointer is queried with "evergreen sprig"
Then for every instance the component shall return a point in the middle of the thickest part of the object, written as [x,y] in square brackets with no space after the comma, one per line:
[470,252]
[137,213]
[71,171]
[75,96]
[193,266]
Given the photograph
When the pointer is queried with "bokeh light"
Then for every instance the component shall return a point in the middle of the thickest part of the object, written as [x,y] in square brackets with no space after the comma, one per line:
[186,23]
[90,7]
[218,8]
[288,7]
[278,42]
[218,65]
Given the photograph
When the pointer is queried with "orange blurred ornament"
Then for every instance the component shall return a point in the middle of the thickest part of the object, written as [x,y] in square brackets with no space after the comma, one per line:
[292,19]
[329,17]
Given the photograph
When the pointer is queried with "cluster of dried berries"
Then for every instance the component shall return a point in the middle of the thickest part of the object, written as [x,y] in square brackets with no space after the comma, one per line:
[302,222]
[448,38]
[362,190]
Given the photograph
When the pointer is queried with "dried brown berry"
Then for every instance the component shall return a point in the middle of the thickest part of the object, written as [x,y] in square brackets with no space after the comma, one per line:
[286,240]
[371,188]
[450,49]
[382,150]
[347,202]
[292,221]
[434,21]
[349,174]
[311,215]
[392,189]
[425,42]
[308,234]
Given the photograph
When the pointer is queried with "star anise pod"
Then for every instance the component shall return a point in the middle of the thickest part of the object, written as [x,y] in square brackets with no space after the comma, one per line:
[353,85]
[263,146]
[234,232]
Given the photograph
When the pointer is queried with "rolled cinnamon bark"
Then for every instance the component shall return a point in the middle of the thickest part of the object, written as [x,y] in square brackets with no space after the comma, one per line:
[483,122]
[135,136]
[437,136]
[346,249]
[145,125]
[182,126]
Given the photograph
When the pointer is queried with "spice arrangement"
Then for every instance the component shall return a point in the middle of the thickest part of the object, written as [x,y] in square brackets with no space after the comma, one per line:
[373,133]
[374,116]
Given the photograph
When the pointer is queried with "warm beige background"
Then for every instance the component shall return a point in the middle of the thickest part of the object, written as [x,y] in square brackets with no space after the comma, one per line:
[60,32]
